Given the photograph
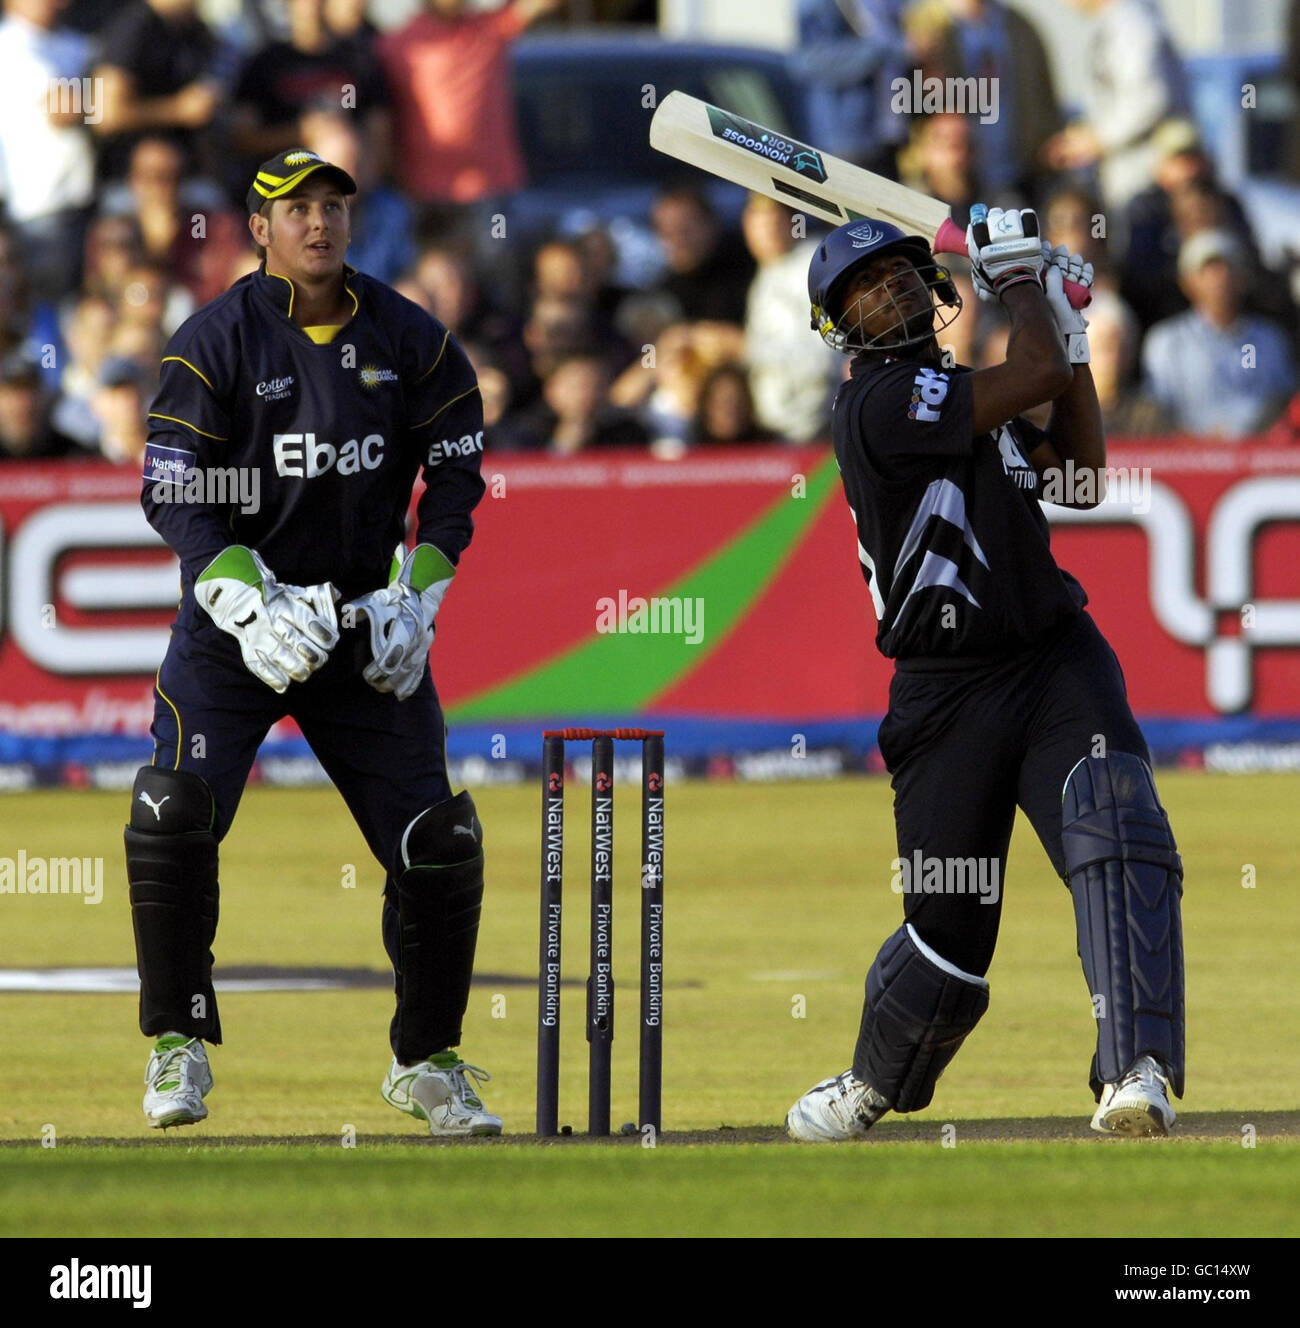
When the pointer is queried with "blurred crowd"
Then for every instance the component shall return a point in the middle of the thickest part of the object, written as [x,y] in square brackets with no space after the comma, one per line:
[129,132]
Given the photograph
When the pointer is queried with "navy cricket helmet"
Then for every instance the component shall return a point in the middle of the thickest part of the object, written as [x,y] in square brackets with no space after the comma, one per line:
[834,263]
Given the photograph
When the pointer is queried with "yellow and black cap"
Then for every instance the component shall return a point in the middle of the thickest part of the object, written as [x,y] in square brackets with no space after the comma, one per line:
[283,174]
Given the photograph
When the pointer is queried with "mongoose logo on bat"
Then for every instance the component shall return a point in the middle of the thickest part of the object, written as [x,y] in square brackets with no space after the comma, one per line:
[798,157]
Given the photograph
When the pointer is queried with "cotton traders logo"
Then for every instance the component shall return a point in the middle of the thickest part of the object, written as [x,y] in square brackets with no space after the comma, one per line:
[863,237]
[275,389]
[372,375]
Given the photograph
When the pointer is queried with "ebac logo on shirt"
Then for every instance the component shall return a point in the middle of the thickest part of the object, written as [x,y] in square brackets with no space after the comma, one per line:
[928,393]
[301,456]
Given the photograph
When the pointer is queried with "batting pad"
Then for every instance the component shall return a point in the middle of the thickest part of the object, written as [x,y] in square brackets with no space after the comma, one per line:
[1127,882]
[431,926]
[919,1009]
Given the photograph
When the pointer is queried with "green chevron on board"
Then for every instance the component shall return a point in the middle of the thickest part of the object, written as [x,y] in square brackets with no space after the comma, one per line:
[623,671]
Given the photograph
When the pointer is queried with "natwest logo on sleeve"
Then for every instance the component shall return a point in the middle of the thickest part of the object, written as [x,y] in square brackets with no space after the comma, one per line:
[301,456]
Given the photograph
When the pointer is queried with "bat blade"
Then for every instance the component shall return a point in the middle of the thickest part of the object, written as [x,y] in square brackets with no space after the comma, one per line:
[781,167]
[800,176]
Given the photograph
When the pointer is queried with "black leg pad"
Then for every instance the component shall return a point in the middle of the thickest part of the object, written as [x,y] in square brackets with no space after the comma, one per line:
[1127,881]
[918,1011]
[431,918]
[173,880]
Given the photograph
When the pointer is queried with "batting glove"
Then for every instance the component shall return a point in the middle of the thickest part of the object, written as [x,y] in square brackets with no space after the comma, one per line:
[401,620]
[1059,267]
[285,633]
[1004,249]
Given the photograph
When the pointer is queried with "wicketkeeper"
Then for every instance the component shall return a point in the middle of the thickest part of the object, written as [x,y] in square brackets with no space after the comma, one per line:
[1004,692]
[334,393]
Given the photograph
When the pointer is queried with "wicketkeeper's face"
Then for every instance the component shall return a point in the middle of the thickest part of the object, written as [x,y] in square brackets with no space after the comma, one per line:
[306,236]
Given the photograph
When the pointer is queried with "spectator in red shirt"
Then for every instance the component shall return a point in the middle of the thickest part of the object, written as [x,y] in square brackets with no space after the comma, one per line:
[457,140]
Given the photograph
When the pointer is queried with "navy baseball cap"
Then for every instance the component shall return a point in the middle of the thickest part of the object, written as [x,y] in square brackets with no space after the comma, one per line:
[283,174]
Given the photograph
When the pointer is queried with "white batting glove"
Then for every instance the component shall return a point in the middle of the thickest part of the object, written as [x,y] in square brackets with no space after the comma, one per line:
[1061,266]
[1004,249]
[285,633]
[402,620]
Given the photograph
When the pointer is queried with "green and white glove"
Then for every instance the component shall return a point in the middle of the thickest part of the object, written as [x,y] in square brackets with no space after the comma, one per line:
[285,633]
[1060,266]
[401,619]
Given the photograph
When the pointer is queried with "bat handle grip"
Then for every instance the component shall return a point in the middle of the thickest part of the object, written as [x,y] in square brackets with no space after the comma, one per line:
[951,239]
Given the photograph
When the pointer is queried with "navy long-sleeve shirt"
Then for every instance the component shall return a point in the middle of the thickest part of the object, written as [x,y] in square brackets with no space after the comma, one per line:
[335,435]
[953,543]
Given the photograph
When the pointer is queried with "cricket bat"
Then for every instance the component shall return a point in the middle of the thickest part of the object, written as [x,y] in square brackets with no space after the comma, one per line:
[765,162]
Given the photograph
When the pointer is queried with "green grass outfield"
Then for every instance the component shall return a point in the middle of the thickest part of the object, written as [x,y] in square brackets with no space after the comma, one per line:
[777,896]
[906,1189]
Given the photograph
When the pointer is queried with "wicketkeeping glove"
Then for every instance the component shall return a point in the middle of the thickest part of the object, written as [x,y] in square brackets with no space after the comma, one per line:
[285,633]
[401,620]
[1061,266]
[1004,249]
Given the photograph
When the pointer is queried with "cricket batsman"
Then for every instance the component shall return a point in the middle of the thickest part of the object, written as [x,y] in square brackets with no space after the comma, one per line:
[333,392]
[1004,691]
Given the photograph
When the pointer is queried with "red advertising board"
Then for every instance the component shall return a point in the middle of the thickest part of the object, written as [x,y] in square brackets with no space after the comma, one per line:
[1192,567]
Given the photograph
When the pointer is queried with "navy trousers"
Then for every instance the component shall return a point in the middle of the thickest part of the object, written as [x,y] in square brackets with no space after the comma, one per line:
[386,757]
[966,745]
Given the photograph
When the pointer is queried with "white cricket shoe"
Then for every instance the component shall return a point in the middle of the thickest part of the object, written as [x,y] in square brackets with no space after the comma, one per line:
[177,1079]
[1138,1104]
[438,1091]
[839,1108]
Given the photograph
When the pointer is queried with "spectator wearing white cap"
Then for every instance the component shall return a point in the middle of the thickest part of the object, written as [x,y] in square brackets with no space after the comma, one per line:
[1218,371]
